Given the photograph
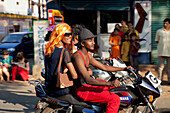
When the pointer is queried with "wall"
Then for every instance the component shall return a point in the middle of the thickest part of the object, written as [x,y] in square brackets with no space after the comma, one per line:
[14,6]
[103,42]
[8,24]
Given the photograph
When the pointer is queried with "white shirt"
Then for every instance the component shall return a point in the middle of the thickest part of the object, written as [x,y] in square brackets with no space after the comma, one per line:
[163,38]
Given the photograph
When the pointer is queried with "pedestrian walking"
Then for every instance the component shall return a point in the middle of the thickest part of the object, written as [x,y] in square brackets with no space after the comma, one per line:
[163,40]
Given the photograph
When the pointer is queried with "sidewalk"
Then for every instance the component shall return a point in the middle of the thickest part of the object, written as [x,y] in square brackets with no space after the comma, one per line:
[152,68]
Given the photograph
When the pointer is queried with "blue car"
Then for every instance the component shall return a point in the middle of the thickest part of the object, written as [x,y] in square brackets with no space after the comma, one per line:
[18,41]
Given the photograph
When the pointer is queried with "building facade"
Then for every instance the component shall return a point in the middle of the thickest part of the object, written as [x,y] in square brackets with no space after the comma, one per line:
[97,15]
[17,15]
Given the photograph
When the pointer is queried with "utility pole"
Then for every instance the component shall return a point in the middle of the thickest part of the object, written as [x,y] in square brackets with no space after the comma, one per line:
[39,11]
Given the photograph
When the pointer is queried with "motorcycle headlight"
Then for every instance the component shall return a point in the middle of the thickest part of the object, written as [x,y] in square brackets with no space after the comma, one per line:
[11,49]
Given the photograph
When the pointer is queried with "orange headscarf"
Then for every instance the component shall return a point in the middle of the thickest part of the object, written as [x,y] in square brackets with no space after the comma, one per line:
[56,36]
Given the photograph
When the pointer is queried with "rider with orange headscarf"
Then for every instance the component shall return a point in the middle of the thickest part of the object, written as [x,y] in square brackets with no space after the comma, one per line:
[61,37]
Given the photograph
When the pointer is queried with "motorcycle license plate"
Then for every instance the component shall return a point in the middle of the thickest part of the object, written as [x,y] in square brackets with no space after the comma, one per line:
[153,79]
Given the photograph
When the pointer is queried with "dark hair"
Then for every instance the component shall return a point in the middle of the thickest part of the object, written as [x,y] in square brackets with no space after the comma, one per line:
[130,22]
[133,34]
[117,25]
[5,52]
[47,36]
[167,20]
[76,29]
[126,34]
[79,46]
[124,20]
[19,56]
[116,29]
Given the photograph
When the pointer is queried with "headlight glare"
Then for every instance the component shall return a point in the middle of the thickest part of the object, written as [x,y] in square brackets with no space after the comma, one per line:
[11,49]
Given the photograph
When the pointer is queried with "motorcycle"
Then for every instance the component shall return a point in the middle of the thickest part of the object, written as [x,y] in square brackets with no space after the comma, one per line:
[137,93]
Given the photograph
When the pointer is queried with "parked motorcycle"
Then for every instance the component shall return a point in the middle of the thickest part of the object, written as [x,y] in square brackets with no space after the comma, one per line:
[137,93]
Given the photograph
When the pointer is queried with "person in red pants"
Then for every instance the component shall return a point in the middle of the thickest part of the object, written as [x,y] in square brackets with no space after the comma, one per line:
[88,88]
[21,67]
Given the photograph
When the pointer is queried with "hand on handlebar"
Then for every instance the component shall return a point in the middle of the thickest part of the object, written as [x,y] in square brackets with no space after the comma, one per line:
[128,68]
[115,83]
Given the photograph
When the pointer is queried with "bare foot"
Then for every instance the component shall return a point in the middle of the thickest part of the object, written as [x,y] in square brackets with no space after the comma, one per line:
[2,81]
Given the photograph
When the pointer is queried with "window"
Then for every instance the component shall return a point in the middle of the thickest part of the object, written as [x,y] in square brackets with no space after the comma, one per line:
[26,38]
[111,17]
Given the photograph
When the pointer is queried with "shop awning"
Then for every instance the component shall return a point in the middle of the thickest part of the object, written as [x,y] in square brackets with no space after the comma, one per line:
[95,4]
[16,16]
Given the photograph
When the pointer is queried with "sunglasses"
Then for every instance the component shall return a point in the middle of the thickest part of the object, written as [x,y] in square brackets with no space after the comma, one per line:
[67,34]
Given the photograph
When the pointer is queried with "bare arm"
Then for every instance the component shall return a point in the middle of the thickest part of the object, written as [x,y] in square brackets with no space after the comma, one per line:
[83,73]
[157,37]
[99,65]
[136,45]
[119,43]
[27,66]
[111,43]
[72,70]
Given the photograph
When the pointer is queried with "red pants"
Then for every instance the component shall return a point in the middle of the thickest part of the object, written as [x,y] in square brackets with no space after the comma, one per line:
[19,71]
[100,94]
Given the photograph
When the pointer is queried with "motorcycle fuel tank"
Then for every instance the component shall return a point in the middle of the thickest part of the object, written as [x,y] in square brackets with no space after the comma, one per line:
[125,94]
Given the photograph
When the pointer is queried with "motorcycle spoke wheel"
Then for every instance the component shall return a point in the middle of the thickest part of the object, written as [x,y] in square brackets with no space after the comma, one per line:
[51,110]
[140,109]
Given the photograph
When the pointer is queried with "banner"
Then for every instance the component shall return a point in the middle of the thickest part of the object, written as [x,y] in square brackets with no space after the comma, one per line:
[39,33]
[143,24]
[55,17]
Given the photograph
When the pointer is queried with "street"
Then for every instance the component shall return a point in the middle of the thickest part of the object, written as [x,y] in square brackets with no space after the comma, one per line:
[19,97]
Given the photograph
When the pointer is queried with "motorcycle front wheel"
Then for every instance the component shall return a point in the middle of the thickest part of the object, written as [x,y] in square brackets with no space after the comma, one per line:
[38,111]
[139,109]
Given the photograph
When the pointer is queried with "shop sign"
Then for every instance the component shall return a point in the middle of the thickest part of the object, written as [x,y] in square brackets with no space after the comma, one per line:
[55,17]
[39,34]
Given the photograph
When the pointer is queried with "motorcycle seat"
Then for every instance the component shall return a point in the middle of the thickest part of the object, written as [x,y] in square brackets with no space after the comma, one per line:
[75,101]
[71,99]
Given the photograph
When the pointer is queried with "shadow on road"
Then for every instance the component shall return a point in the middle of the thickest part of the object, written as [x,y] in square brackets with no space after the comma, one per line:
[17,97]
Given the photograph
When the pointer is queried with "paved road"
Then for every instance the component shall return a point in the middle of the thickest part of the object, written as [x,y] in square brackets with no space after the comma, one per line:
[19,97]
